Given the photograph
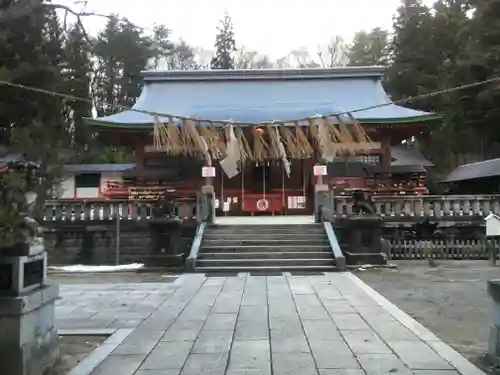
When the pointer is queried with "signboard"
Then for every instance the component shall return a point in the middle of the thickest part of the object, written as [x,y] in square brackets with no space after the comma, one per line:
[320,170]
[146,193]
[296,203]
[208,172]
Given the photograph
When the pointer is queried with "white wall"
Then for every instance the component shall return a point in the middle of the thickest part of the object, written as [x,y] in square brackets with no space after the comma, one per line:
[66,188]
[87,193]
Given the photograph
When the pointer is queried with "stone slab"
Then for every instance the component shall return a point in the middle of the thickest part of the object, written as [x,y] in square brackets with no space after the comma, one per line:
[213,341]
[256,330]
[167,355]
[205,364]
[250,354]
[119,364]
[221,321]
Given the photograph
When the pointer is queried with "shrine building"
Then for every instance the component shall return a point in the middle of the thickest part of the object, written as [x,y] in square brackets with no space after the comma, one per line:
[257,135]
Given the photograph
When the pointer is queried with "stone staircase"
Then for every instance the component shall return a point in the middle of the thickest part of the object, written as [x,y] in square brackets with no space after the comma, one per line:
[265,248]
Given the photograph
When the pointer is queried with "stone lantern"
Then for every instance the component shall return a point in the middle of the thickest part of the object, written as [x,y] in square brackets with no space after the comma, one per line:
[28,334]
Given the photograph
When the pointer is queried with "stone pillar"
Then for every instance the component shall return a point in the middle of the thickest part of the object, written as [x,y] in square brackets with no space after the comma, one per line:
[494,339]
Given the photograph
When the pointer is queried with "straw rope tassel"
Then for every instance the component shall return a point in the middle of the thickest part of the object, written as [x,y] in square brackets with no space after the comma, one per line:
[274,147]
[302,141]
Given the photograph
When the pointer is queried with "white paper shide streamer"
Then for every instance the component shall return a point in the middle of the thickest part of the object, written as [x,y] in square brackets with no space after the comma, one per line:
[230,163]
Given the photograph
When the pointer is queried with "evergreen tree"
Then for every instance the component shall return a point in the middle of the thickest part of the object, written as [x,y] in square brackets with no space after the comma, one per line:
[225,45]
[414,61]
[479,105]
[78,71]
[122,51]
[369,48]
[24,60]
[106,74]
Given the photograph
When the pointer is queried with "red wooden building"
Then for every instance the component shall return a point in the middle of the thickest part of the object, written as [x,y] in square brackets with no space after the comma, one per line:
[258,103]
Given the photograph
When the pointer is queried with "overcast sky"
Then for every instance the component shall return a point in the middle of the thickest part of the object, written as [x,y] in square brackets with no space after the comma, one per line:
[272,27]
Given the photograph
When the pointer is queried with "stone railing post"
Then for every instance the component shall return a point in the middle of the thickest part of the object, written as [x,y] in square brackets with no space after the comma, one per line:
[494,339]
[206,205]
[321,201]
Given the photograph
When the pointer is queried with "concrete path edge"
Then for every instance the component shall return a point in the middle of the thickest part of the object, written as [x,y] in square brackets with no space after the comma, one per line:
[99,354]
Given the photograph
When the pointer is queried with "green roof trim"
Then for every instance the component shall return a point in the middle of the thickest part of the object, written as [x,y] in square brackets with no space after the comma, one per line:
[375,121]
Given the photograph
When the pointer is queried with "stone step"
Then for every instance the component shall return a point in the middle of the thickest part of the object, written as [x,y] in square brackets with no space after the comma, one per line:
[274,255]
[266,269]
[235,263]
[264,236]
[239,229]
[270,226]
[263,249]
[264,241]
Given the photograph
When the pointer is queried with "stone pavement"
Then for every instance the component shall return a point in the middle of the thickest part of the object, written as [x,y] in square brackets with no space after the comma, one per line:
[256,325]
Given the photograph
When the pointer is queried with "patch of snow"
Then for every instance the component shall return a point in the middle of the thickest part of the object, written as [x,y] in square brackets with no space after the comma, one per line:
[83,268]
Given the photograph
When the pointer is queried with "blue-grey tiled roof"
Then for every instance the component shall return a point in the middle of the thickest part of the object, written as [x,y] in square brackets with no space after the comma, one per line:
[404,156]
[487,168]
[263,95]
[97,168]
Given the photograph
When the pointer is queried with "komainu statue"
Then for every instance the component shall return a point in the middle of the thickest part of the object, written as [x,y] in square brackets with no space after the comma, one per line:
[363,203]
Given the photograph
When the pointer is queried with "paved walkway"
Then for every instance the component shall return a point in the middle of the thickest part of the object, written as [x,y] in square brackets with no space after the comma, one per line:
[255,325]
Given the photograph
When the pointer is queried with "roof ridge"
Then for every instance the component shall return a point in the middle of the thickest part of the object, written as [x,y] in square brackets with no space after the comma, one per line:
[478,162]
[264,74]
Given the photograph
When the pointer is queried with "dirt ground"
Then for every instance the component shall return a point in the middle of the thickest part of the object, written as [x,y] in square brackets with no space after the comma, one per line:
[451,299]
[73,350]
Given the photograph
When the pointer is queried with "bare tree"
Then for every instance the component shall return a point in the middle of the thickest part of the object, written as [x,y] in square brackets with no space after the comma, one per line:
[202,57]
[299,58]
[334,54]
[247,59]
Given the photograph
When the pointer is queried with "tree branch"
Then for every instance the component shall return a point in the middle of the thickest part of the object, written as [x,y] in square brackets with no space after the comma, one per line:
[24,8]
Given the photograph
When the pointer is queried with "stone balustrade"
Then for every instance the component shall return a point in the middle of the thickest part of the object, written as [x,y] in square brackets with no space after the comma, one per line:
[107,210]
[439,206]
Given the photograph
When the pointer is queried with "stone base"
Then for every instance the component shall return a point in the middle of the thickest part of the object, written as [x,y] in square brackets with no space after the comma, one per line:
[494,345]
[360,234]
[359,259]
[28,333]
[494,339]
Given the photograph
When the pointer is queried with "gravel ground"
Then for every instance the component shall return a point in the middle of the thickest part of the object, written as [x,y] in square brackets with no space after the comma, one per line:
[73,350]
[450,299]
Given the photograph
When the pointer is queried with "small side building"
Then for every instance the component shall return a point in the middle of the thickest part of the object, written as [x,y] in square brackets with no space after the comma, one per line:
[475,178]
[90,181]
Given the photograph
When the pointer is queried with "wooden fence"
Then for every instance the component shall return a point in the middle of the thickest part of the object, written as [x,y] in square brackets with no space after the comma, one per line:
[448,248]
